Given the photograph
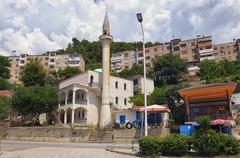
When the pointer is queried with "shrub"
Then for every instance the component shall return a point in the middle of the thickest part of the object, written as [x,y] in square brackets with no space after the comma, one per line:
[150,146]
[171,145]
[175,145]
[229,145]
[207,143]
[205,123]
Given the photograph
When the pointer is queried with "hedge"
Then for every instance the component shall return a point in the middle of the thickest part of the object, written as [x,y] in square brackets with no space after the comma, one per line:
[213,143]
[206,143]
[174,145]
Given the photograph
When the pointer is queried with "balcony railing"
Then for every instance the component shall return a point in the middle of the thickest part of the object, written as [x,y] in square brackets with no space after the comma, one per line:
[84,102]
[80,120]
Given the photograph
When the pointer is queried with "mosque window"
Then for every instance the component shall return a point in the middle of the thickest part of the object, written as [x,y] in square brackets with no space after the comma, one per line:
[125,101]
[116,100]
[125,86]
[116,84]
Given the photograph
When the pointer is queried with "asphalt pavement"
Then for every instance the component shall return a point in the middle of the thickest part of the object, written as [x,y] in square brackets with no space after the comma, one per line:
[24,145]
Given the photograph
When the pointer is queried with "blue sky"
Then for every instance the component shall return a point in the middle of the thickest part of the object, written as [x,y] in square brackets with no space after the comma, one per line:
[37,26]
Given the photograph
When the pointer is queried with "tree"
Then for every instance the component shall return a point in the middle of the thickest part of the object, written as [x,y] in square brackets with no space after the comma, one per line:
[4,64]
[33,74]
[135,70]
[69,72]
[35,100]
[213,71]
[4,107]
[168,69]
[4,84]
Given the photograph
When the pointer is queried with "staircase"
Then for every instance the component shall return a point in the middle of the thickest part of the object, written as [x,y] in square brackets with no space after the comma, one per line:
[155,131]
[101,136]
[126,135]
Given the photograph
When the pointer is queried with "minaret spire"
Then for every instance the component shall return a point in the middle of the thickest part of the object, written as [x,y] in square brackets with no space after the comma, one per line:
[106,26]
[106,39]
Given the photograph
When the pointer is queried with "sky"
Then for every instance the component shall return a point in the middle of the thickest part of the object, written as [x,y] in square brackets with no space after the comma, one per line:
[37,26]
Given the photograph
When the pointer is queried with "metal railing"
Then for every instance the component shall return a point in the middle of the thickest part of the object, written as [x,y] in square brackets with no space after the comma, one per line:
[80,120]
[84,102]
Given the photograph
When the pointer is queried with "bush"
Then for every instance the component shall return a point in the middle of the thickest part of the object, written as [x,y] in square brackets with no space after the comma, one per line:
[212,143]
[229,145]
[205,123]
[176,145]
[150,146]
[207,143]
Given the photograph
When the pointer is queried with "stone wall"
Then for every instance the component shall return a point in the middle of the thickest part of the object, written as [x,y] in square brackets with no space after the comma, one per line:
[76,135]
[39,134]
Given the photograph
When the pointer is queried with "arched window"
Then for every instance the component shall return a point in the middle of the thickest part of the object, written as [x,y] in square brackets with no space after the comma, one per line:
[91,80]
[125,101]
[116,84]
[82,96]
[125,86]
[83,114]
[116,100]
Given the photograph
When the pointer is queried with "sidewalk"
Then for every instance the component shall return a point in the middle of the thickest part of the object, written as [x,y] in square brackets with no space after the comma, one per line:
[134,151]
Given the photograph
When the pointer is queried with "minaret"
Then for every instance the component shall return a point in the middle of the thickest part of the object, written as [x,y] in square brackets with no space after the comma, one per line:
[106,39]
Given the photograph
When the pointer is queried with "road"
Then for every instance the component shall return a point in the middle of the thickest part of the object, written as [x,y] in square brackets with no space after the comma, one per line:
[25,149]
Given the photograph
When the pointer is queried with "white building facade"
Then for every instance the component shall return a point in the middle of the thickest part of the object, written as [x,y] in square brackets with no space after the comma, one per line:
[81,97]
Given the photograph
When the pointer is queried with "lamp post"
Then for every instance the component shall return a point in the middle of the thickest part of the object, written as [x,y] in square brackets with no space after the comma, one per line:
[140,19]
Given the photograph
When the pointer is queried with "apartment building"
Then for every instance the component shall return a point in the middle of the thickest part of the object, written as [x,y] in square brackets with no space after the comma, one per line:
[117,62]
[151,53]
[51,62]
[192,51]
[205,48]
[225,51]
[123,60]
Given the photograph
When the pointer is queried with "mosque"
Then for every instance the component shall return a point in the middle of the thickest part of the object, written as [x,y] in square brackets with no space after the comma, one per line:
[89,98]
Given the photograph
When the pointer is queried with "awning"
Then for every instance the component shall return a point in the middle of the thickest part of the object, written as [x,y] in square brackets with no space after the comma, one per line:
[152,108]
[220,122]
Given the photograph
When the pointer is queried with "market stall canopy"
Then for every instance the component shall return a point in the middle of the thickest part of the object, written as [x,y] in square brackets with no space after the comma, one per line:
[152,108]
[6,93]
[220,122]
[208,91]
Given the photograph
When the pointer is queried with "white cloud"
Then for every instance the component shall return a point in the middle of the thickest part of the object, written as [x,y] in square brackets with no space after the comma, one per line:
[34,26]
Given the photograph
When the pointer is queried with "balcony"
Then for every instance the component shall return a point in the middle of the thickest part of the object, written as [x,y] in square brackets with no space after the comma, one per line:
[80,120]
[83,102]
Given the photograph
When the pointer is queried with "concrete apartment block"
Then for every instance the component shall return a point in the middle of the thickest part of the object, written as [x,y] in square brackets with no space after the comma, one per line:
[51,62]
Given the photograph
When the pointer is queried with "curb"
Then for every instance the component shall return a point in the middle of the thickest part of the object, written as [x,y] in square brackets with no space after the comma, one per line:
[123,153]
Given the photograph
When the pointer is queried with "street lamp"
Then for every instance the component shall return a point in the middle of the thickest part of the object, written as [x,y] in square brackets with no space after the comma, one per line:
[140,19]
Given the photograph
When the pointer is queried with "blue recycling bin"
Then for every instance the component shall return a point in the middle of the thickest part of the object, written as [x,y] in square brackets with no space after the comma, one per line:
[187,130]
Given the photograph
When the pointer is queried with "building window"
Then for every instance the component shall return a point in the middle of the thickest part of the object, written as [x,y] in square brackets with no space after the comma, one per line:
[176,48]
[183,45]
[82,96]
[135,82]
[125,86]
[148,58]
[116,100]
[116,84]
[125,101]
[83,114]
[91,80]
